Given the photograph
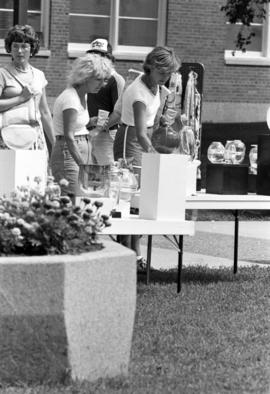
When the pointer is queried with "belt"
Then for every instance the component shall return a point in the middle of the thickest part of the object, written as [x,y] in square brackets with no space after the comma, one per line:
[76,137]
[115,127]
[128,125]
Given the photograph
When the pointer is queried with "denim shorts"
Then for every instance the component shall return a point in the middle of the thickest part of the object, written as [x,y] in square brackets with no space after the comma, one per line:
[64,166]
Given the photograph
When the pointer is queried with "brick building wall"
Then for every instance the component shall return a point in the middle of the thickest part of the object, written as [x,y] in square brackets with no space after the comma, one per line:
[197,31]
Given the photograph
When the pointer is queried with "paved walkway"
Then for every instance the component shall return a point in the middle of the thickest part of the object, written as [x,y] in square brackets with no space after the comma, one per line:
[166,258]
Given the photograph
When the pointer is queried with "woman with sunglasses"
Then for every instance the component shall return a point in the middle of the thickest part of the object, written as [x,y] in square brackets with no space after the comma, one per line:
[23,87]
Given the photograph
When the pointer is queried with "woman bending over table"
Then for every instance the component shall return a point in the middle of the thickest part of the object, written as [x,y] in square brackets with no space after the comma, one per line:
[73,146]
[140,104]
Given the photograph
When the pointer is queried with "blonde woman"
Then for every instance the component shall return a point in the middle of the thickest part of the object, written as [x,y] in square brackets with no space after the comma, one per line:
[70,117]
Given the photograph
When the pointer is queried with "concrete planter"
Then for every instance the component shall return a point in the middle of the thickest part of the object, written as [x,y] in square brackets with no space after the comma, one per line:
[62,315]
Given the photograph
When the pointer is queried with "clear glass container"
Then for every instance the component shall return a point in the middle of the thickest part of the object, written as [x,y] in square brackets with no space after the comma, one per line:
[253,156]
[235,151]
[114,183]
[187,141]
[128,185]
[240,148]
[165,139]
[93,179]
[215,152]
[230,152]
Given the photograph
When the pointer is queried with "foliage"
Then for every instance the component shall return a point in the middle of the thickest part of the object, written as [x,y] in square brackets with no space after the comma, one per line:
[36,223]
[246,12]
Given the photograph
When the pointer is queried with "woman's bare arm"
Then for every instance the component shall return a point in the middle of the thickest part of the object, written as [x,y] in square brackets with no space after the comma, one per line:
[139,110]
[70,117]
[46,118]
[8,103]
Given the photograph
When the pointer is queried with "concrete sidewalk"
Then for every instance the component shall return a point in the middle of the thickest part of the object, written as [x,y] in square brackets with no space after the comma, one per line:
[166,258]
[251,229]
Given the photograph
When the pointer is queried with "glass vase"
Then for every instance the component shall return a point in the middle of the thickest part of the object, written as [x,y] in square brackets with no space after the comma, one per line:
[253,156]
[215,152]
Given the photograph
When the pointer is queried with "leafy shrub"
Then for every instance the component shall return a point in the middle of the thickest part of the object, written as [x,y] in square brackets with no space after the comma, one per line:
[36,223]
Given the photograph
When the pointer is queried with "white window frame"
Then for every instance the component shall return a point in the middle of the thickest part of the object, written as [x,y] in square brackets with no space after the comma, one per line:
[122,51]
[44,26]
[253,58]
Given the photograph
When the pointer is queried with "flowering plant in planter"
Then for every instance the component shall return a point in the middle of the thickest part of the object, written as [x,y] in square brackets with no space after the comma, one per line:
[36,223]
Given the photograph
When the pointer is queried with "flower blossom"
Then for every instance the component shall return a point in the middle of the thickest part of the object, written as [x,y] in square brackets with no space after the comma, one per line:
[16,231]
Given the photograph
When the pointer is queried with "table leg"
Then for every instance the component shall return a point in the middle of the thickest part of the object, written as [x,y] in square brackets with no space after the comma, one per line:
[180,262]
[148,258]
[236,231]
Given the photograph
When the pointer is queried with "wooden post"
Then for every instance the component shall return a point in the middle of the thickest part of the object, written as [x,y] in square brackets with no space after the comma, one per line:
[20,12]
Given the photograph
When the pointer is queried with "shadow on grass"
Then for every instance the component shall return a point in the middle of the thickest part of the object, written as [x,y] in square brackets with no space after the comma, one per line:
[261,261]
[200,274]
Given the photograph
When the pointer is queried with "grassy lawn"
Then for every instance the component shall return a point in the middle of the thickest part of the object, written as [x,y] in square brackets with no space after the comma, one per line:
[212,338]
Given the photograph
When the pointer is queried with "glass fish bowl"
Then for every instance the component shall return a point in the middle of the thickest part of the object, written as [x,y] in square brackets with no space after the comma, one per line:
[230,151]
[94,179]
[240,148]
[165,139]
[215,152]
[235,151]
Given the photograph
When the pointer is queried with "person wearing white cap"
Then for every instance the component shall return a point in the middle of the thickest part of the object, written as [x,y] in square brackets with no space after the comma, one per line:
[105,99]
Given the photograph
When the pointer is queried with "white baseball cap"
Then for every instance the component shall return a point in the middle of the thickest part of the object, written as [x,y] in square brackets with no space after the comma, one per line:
[99,45]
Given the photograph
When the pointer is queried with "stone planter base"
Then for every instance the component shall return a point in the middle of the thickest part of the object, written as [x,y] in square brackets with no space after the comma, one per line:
[67,315]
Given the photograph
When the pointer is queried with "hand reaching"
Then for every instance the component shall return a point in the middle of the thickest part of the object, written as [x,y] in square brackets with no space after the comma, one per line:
[92,122]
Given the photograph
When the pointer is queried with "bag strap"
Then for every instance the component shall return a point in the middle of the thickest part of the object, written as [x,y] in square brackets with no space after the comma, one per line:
[16,78]
[23,86]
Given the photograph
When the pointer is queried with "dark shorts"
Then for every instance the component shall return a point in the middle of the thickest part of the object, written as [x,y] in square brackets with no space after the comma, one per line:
[126,144]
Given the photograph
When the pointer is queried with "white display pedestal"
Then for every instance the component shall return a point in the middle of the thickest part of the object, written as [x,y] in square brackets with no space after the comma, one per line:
[163,186]
[16,167]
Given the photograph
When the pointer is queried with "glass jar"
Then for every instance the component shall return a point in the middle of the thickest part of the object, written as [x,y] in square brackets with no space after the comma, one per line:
[165,139]
[234,152]
[253,156]
[230,152]
[93,179]
[215,152]
[128,185]
[114,182]
[240,148]
[187,142]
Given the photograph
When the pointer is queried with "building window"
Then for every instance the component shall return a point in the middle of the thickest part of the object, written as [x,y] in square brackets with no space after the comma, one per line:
[37,16]
[132,27]
[258,51]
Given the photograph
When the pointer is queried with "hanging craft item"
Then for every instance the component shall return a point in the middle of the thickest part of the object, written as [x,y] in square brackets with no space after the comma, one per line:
[192,108]
[174,99]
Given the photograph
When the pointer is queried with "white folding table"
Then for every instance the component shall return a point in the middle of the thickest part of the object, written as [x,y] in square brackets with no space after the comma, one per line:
[234,203]
[133,225]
